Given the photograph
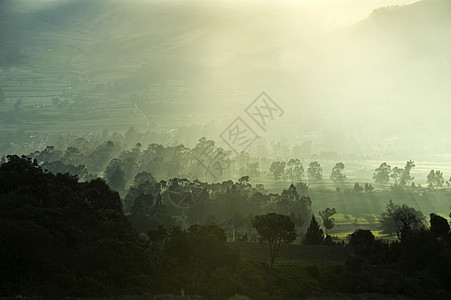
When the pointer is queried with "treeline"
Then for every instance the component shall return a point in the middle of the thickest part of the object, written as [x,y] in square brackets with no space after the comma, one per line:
[184,202]
[418,264]
[119,166]
[61,237]
[119,157]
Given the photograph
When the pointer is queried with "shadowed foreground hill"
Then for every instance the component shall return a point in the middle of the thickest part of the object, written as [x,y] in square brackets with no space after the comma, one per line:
[63,237]
[60,237]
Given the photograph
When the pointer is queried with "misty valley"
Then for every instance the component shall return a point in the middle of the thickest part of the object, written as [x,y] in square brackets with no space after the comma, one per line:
[212,149]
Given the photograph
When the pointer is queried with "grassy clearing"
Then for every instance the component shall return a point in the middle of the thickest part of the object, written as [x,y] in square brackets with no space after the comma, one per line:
[361,210]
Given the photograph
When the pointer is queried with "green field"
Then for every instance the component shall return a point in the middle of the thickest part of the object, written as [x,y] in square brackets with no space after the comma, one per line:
[361,210]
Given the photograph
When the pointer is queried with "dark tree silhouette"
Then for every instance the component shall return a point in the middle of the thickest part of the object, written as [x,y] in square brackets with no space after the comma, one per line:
[201,248]
[439,225]
[157,236]
[357,187]
[140,213]
[314,234]
[144,183]
[56,227]
[101,197]
[361,240]
[276,229]
[401,220]
[115,176]
[368,188]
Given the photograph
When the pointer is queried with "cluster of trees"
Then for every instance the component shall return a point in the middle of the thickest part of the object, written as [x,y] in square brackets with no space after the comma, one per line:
[63,237]
[401,220]
[401,176]
[112,160]
[315,234]
[294,170]
[435,179]
[337,175]
[278,229]
[367,187]
[418,264]
[184,202]
[118,165]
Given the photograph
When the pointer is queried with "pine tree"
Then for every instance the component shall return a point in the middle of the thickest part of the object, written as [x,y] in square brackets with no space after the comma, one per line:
[314,235]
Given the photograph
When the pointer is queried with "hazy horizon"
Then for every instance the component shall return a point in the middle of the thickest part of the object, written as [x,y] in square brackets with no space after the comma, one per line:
[348,78]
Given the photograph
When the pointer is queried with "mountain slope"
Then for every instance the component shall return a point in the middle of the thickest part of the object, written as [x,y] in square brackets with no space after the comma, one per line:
[186,62]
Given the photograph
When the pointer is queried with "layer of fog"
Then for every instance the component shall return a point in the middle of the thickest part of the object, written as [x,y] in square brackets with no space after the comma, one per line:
[348,79]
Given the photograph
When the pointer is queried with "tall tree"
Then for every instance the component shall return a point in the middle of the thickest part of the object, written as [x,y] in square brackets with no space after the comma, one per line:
[357,187]
[140,212]
[435,179]
[294,169]
[114,175]
[314,234]
[314,172]
[326,216]
[396,174]
[382,174]
[277,169]
[276,229]
[405,177]
[361,241]
[401,220]
[336,175]
[368,188]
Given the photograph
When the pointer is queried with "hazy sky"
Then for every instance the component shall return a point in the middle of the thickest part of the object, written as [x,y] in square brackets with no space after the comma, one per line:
[330,13]
[339,13]
[337,80]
